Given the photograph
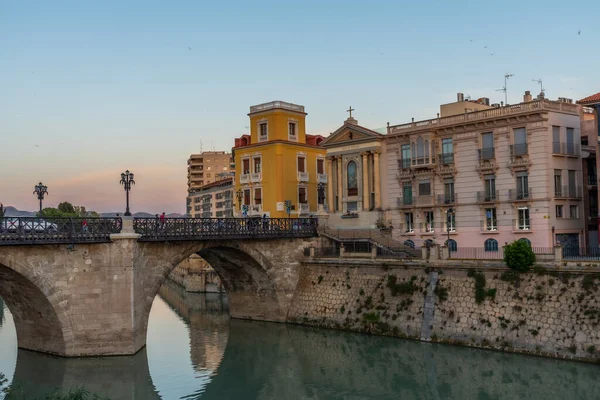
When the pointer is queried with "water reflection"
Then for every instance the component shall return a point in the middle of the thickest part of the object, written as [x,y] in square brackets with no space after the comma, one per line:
[195,352]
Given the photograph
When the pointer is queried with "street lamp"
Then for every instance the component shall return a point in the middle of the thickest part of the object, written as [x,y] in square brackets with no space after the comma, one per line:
[321,194]
[239,194]
[449,215]
[40,190]
[127,181]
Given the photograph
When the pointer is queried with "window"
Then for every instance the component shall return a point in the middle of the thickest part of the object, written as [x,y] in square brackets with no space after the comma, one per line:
[263,131]
[448,191]
[405,163]
[523,220]
[424,188]
[489,186]
[257,196]
[559,211]
[429,223]
[450,222]
[247,196]
[452,245]
[408,220]
[487,146]
[302,195]
[208,168]
[352,179]
[320,166]
[426,152]
[447,155]
[407,197]
[246,166]
[257,168]
[572,183]
[196,208]
[557,183]
[301,164]
[208,175]
[526,241]
[556,139]
[409,243]
[522,186]
[292,131]
[520,142]
[491,223]
[491,245]
[570,141]
[573,212]
[420,150]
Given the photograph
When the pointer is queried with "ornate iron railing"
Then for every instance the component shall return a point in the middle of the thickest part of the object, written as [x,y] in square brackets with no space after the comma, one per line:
[33,230]
[152,229]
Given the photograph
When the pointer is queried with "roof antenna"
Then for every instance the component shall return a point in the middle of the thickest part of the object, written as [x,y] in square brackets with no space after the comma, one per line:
[201,146]
[506,76]
[542,90]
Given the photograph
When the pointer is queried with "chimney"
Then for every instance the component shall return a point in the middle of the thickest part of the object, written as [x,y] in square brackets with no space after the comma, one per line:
[460,97]
[527,98]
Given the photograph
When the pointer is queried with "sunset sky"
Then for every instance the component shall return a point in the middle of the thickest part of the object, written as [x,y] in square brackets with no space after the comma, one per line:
[89,89]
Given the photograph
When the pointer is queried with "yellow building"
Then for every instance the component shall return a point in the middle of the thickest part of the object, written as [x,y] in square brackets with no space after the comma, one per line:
[278,161]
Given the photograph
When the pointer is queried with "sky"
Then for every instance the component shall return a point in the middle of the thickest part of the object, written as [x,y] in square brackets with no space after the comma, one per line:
[89,89]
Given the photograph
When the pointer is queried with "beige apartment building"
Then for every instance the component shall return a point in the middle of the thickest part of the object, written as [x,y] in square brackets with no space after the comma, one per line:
[207,167]
[488,177]
[214,200]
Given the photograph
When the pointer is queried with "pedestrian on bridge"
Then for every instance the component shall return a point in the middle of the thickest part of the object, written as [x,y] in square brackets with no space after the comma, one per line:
[84,226]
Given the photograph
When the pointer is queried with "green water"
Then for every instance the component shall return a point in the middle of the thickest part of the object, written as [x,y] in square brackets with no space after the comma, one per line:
[196,352]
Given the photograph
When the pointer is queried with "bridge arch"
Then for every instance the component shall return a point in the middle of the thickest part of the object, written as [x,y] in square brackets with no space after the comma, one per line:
[40,321]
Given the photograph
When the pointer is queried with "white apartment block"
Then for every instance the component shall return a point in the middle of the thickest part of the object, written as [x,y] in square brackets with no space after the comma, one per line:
[214,200]
[504,173]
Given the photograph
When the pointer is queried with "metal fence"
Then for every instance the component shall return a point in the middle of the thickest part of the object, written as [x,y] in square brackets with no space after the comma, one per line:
[581,253]
[34,230]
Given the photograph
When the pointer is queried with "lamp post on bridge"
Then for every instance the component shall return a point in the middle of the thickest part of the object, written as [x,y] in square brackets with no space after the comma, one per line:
[40,190]
[127,181]
[449,217]
[321,195]
[239,194]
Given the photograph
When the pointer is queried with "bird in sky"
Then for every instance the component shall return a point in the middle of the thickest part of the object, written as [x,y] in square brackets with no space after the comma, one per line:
[579,33]
[189,48]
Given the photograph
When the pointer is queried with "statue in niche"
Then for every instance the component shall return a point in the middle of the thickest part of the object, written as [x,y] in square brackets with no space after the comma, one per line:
[352,179]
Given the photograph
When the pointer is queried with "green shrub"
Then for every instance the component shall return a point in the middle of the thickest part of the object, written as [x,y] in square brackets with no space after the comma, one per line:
[519,256]
[401,288]
[371,317]
[441,293]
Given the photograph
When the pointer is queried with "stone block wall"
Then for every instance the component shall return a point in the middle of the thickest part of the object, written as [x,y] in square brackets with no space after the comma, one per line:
[547,312]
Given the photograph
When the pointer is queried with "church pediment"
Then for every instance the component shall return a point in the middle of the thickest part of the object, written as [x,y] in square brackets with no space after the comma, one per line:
[349,133]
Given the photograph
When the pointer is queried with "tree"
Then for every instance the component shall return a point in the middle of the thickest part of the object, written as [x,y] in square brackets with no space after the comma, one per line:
[519,256]
[2,210]
[67,208]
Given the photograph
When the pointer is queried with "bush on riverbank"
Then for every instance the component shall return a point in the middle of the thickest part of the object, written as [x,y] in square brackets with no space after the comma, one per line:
[519,256]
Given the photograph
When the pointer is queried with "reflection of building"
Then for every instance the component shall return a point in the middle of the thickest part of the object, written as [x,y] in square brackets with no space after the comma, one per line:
[354,168]
[207,167]
[507,173]
[213,200]
[293,162]
[195,275]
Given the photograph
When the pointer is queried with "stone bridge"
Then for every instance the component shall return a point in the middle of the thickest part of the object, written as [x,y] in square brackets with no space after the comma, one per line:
[88,299]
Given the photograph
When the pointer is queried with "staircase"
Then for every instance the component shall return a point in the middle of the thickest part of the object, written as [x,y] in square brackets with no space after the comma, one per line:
[373,236]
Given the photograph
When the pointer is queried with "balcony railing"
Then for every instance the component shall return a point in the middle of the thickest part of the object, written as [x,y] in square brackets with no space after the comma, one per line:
[245,178]
[404,163]
[406,201]
[407,228]
[570,192]
[321,178]
[446,158]
[304,208]
[425,200]
[487,153]
[277,104]
[488,196]
[522,224]
[566,149]
[427,227]
[519,194]
[518,150]
[302,176]
[255,177]
[424,162]
[449,198]
[489,226]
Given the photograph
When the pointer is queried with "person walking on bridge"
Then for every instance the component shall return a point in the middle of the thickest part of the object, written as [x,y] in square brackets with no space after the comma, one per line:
[162,221]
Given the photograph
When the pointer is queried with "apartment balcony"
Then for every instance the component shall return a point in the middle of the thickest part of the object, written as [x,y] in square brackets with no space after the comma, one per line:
[425,201]
[422,162]
[566,149]
[256,177]
[404,163]
[304,208]
[489,227]
[321,178]
[302,176]
[486,153]
[446,159]
[256,209]
[427,228]
[488,197]
[407,229]
[519,195]
[518,150]
[405,202]
[568,192]
[446,199]
[486,160]
[244,178]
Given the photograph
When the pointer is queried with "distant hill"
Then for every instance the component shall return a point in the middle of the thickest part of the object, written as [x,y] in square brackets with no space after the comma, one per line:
[13,212]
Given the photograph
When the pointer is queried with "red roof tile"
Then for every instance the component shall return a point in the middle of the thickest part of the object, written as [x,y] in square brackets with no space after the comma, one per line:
[595,98]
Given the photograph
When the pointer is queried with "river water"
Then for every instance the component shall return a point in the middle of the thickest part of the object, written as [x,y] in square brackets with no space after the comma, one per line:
[195,351]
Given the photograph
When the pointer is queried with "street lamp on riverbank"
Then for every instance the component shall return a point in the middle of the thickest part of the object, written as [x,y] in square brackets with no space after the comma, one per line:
[40,190]
[127,181]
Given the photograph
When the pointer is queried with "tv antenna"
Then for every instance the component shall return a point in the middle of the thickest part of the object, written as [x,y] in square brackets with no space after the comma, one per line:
[506,76]
[468,97]
[542,90]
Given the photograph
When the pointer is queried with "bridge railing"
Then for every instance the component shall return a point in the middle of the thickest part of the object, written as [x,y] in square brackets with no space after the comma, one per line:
[35,230]
[225,228]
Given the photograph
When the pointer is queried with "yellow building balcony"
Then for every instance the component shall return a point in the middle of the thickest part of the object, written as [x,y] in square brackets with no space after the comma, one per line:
[302,176]
[244,178]
[304,208]
[321,178]
[256,177]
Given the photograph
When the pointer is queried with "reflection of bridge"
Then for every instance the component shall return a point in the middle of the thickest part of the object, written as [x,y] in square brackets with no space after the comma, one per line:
[94,298]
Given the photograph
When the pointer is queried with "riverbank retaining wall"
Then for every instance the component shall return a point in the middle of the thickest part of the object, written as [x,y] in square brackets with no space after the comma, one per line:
[548,312]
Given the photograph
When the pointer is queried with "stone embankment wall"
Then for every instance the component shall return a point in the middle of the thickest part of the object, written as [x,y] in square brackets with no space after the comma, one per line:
[547,312]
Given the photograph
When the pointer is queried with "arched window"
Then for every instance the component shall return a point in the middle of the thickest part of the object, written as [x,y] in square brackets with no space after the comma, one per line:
[452,246]
[413,152]
[428,243]
[352,179]
[420,149]
[526,241]
[409,243]
[491,245]
[426,151]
